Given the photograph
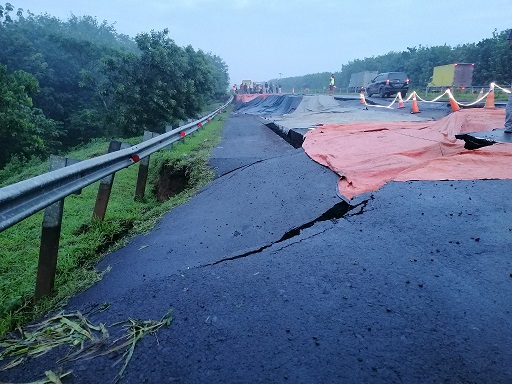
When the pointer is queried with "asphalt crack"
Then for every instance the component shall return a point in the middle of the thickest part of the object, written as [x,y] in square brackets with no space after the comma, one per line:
[362,208]
[242,167]
[306,238]
[333,214]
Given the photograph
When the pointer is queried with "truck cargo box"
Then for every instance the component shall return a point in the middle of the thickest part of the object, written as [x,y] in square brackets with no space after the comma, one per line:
[457,75]
[360,80]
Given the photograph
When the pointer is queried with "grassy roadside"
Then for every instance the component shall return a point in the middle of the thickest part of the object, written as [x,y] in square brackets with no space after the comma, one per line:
[84,241]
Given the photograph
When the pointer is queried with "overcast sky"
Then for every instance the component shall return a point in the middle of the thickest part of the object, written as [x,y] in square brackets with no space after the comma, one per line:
[261,39]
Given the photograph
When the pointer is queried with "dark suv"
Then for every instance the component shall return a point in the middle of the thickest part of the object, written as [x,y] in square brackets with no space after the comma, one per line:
[388,83]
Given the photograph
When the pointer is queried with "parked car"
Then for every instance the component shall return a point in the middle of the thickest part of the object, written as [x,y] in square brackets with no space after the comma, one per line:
[388,83]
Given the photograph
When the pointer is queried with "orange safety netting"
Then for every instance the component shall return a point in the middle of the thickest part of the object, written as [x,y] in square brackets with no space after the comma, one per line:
[368,155]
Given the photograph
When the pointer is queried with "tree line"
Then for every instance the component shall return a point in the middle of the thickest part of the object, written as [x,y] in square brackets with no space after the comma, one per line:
[63,83]
[491,56]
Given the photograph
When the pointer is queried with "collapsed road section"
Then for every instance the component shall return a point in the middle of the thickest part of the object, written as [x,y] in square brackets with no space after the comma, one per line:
[413,286]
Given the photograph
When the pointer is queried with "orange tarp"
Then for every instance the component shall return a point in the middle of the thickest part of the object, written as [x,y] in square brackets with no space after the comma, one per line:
[368,155]
[246,97]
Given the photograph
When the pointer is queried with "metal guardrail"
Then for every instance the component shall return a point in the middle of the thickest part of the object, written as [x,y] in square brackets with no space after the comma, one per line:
[21,200]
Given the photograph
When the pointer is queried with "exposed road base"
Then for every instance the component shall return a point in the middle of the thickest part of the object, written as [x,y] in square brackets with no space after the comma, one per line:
[476,140]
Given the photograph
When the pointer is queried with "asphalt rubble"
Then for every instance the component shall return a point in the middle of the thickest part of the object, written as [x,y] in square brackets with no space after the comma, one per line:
[274,278]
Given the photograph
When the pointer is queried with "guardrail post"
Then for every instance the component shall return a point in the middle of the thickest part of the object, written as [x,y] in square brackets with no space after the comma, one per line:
[105,187]
[142,176]
[170,128]
[50,236]
[167,129]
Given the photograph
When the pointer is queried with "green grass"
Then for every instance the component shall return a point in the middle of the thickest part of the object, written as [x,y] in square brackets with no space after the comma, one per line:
[84,241]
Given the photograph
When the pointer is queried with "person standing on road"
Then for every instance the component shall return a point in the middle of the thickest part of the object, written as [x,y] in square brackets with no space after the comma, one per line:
[508,109]
[331,85]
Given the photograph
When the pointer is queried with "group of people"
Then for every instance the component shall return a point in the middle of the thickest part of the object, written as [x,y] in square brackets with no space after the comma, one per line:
[269,88]
[255,88]
[246,89]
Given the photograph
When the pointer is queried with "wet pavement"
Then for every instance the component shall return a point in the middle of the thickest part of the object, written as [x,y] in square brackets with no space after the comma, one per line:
[273,278]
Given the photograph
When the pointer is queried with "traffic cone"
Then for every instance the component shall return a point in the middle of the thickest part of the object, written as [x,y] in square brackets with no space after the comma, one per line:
[415,108]
[361,96]
[400,101]
[453,103]
[489,101]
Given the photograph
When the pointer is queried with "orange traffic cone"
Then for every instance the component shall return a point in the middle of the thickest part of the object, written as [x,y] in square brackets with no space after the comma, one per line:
[453,103]
[415,108]
[400,101]
[489,101]
[361,96]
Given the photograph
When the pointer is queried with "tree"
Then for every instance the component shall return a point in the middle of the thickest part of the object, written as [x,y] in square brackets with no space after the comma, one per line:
[97,83]
[220,76]
[162,85]
[144,91]
[24,130]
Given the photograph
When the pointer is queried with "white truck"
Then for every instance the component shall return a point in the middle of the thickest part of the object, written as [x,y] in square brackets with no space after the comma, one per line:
[360,80]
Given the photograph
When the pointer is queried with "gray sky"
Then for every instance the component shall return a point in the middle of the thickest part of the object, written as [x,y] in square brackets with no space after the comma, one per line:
[259,39]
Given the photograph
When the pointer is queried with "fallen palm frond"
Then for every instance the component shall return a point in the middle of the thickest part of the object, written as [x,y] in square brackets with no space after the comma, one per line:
[63,329]
[51,378]
[136,330]
[85,339]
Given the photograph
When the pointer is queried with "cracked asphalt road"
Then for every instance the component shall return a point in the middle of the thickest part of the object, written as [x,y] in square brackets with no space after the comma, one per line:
[412,285]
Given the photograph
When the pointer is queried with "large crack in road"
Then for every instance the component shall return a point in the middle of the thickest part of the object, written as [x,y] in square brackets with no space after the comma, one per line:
[336,212]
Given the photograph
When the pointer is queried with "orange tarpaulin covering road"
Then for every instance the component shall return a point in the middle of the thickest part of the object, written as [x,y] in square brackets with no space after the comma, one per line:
[368,155]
